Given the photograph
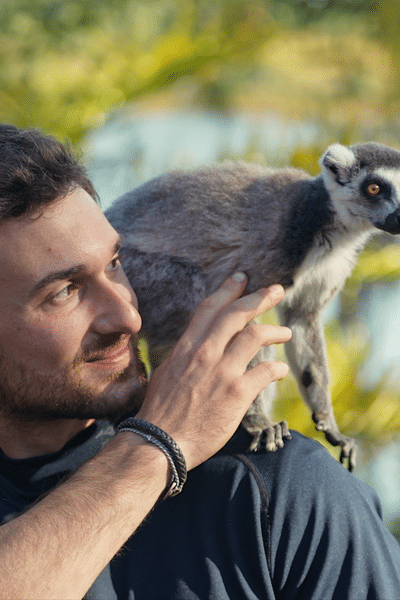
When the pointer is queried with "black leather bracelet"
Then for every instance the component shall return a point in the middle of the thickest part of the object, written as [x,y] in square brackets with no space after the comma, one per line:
[164,442]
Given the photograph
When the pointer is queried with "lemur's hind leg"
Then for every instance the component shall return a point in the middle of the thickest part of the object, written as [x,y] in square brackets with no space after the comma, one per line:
[265,432]
[307,358]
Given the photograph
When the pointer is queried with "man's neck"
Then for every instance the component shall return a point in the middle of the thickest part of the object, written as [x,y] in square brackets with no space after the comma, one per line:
[24,439]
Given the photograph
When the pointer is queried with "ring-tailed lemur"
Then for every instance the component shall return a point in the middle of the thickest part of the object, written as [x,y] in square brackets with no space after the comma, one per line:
[186,232]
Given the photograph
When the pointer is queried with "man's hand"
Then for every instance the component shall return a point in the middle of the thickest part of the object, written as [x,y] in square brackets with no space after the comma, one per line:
[198,395]
[201,392]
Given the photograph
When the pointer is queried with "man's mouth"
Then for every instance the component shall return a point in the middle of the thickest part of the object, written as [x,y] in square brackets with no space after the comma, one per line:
[116,357]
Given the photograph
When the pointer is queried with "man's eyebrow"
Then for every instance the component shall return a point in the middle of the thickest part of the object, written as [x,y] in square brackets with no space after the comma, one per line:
[66,273]
[56,276]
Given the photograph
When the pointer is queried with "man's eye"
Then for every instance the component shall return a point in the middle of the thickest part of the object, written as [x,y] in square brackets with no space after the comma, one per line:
[66,292]
[114,265]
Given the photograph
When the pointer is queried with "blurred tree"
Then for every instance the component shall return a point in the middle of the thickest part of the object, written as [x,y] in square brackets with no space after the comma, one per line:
[300,13]
[66,65]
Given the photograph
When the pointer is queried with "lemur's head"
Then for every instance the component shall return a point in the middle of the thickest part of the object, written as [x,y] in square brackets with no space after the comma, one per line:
[363,182]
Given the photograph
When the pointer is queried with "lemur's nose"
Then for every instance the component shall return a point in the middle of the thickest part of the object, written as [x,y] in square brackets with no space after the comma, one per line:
[392,223]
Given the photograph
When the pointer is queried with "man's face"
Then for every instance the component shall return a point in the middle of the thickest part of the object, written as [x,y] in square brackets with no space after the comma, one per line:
[68,317]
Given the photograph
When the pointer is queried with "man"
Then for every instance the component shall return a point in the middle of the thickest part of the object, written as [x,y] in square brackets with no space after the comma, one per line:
[293,524]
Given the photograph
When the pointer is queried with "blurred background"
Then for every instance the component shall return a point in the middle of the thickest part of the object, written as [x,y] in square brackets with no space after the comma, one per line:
[141,87]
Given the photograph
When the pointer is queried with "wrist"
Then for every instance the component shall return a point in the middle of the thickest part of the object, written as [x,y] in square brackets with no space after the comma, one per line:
[136,462]
[160,439]
[136,446]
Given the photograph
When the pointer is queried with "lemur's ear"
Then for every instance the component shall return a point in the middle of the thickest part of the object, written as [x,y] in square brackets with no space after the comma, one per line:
[339,163]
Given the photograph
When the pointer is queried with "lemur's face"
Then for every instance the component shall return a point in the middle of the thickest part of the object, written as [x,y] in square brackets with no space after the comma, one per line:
[364,185]
[380,191]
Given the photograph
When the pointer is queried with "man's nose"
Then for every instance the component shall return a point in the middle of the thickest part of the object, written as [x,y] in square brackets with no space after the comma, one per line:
[116,309]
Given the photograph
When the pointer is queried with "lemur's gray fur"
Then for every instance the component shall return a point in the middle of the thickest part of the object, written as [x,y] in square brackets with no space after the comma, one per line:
[186,232]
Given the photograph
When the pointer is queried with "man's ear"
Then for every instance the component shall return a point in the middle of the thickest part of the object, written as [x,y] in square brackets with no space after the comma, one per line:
[339,163]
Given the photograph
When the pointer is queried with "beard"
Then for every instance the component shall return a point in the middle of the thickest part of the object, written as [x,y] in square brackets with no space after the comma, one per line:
[30,395]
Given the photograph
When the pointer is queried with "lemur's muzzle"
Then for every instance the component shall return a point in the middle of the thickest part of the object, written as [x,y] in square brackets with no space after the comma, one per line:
[391,224]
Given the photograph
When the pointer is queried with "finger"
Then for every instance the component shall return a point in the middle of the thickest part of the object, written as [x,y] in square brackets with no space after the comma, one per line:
[212,306]
[234,318]
[260,376]
[249,341]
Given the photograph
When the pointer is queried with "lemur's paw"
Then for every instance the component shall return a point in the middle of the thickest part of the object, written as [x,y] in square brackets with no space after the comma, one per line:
[271,438]
[322,421]
[349,448]
[333,436]
[349,453]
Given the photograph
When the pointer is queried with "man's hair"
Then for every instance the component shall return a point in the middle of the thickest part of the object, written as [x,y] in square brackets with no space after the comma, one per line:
[35,170]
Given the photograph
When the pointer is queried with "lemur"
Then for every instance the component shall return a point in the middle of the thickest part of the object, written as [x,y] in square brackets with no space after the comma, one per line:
[185,232]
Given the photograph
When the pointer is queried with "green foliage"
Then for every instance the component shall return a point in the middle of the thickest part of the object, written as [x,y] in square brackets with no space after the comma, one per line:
[66,65]
[300,13]
[394,527]
[372,415]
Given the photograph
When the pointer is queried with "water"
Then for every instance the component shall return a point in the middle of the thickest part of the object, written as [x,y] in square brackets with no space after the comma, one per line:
[135,147]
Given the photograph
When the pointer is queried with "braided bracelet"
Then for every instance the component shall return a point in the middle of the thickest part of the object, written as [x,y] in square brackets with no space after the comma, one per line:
[166,444]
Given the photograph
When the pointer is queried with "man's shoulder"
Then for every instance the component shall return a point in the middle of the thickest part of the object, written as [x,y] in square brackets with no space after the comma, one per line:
[289,523]
[301,473]
[300,457]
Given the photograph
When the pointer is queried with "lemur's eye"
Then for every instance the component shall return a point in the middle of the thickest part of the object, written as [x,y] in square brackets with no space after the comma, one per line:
[373,189]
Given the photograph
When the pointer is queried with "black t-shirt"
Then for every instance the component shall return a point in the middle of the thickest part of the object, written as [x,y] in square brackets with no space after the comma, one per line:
[293,525]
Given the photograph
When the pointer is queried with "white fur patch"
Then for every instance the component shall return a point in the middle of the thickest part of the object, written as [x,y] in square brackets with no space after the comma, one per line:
[340,154]
[392,176]
[327,268]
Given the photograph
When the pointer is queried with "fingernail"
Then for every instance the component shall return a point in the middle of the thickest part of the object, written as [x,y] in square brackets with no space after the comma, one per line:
[239,277]
[275,288]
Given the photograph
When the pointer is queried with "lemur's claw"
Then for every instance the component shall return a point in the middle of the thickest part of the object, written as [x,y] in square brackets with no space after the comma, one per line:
[349,452]
[322,421]
[334,437]
[271,438]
